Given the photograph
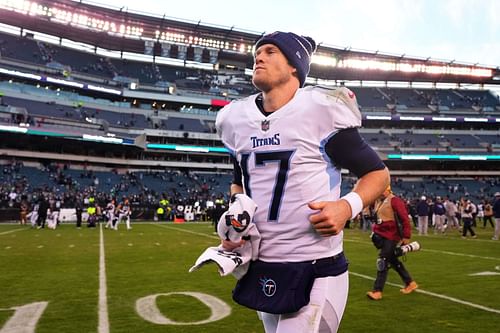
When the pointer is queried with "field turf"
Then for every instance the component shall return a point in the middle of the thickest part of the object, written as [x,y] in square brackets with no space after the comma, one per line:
[54,281]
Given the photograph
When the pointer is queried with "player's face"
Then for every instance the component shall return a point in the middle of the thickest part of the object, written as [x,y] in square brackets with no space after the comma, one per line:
[271,68]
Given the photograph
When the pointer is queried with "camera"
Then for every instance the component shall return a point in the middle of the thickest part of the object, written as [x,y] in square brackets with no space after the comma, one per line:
[404,249]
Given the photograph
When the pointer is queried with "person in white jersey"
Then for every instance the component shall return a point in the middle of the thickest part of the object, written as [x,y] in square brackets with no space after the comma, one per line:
[110,213]
[288,145]
[124,212]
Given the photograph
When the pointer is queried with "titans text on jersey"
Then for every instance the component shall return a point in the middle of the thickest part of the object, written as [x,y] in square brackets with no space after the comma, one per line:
[269,141]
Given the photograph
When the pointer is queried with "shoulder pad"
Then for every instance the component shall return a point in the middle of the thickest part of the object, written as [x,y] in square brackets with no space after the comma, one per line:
[340,95]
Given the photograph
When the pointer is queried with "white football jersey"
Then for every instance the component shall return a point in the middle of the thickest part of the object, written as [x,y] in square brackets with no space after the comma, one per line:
[284,166]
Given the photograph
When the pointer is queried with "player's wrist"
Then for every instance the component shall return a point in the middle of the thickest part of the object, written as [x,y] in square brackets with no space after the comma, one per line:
[355,202]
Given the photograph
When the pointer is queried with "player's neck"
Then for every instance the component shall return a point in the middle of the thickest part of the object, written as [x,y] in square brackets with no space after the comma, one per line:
[276,98]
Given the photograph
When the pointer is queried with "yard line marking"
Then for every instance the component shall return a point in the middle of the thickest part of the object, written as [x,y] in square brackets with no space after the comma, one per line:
[484,274]
[461,254]
[188,231]
[443,237]
[448,298]
[103,326]
[436,251]
[11,231]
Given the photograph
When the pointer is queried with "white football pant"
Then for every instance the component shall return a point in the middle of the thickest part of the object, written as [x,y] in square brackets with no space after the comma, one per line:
[127,221]
[52,220]
[109,224]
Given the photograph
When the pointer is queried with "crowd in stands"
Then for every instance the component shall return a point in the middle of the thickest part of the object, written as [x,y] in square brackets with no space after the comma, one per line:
[219,84]
[58,182]
[66,187]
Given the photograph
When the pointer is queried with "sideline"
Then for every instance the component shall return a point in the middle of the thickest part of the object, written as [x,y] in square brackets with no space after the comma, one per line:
[429,293]
[103,326]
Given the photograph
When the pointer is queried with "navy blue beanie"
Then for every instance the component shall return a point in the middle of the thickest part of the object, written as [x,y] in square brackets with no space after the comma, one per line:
[297,49]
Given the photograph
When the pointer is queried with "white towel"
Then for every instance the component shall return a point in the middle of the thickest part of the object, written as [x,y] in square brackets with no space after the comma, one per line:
[233,225]
[232,262]
[234,222]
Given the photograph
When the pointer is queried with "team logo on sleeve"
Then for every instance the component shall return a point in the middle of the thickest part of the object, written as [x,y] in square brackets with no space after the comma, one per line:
[264,125]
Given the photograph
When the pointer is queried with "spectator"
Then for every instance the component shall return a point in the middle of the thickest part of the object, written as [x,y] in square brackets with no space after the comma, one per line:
[43,206]
[451,214]
[439,215]
[423,215]
[466,212]
[496,211]
[488,214]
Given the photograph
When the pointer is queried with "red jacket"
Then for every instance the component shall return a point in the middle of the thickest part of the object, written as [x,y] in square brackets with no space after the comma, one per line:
[386,225]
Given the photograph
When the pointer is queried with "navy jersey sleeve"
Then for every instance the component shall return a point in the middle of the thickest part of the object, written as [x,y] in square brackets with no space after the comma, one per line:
[348,150]
[236,172]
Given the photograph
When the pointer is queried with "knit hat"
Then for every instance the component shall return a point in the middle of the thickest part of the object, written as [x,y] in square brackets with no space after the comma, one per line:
[297,49]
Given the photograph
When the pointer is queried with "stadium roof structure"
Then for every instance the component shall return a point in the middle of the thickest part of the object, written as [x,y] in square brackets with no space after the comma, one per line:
[119,29]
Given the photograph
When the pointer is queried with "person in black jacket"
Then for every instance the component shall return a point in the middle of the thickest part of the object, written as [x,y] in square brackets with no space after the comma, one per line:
[79,211]
[423,215]
[219,209]
[496,212]
[43,205]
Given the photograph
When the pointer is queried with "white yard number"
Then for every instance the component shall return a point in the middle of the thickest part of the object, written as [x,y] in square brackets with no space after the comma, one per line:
[147,309]
[25,318]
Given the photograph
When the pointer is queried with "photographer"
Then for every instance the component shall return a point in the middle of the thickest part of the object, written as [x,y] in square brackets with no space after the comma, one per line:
[392,229]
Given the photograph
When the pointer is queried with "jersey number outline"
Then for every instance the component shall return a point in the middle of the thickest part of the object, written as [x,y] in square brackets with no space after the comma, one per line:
[282,157]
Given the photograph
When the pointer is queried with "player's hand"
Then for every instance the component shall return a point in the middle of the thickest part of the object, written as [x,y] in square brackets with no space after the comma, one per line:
[331,216]
[405,241]
[228,245]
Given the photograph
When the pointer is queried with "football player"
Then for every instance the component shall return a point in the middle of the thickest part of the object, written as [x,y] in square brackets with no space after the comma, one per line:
[124,212]
[110,213]
[288,145]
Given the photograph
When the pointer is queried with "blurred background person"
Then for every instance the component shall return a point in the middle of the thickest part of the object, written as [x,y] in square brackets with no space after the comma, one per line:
[496,212]
[488,214]
[451,214]
[466,210]
[423,215]
[439,215]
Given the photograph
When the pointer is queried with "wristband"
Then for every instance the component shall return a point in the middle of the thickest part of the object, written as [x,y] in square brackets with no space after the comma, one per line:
[355,202]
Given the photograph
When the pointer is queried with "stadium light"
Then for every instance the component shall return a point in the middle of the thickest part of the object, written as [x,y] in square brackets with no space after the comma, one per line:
[370,64]
[411,118]
[99,138]
[324,60]
[13,129]
[64,82]
[443,157]
[20,74]
[444,119]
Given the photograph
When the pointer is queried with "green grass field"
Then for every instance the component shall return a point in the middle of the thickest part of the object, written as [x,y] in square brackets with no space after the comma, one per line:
[49,282]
